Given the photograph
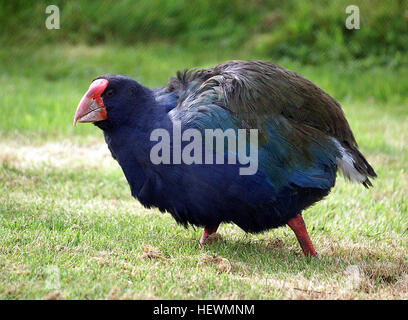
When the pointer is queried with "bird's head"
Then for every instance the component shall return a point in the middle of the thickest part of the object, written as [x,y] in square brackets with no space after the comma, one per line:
[111,101]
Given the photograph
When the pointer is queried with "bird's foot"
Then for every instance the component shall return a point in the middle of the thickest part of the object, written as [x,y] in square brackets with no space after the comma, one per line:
[298,226]
[206,233]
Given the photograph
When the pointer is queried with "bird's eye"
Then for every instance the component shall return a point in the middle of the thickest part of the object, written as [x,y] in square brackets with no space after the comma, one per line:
[109,93]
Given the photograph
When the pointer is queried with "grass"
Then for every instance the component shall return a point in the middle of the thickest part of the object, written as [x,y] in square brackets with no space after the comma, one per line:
[303,31]
[70,229]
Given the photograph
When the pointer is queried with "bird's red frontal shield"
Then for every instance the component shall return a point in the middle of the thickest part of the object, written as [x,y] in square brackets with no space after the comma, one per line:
[91,107]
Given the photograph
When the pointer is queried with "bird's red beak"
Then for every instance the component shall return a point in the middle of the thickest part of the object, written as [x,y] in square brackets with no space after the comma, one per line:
[91,107]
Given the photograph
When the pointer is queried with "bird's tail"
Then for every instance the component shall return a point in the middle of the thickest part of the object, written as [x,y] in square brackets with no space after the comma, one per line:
[354,166]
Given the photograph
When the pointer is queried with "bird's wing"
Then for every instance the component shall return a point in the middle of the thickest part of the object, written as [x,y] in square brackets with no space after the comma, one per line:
[289,111]
[255,91]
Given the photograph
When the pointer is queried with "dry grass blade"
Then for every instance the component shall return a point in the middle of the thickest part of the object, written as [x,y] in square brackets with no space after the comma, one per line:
[151,253]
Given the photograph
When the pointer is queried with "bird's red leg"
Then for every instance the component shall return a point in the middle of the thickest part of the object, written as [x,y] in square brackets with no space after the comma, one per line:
[206,233]
[299,228]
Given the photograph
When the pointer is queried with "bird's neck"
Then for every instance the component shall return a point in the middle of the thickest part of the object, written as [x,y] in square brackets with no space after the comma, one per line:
[130,145]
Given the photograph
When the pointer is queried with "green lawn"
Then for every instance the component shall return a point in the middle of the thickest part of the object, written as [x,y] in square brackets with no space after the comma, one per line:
[70,229]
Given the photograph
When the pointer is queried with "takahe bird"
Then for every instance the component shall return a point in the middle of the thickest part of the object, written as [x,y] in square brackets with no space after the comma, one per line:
[302,140]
